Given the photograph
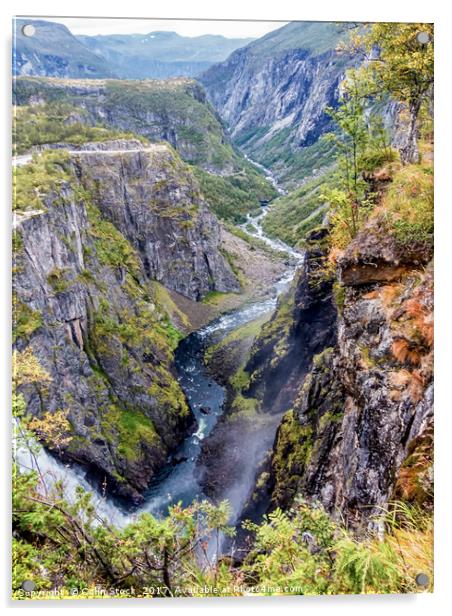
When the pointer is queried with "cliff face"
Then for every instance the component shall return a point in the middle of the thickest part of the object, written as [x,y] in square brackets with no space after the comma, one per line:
[363,415]
[275,102]
[303,325]
[107,226]
[152,198]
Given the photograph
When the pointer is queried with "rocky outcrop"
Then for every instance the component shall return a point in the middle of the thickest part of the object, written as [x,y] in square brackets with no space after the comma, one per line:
[86,305]
[365,410]
[274,92]
[376,256]
[152,198]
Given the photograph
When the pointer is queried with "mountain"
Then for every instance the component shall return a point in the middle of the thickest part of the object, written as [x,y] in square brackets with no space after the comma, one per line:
[175,111]
[54,52]
[273,94]
[159,55]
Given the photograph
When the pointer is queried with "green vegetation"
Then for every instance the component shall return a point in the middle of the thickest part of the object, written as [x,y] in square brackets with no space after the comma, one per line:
[408,204]
[363,146]
[58,122]
[290,164]
[129,431]
[332,561]
[178,105]
[291,455]
[47,173]
[58,280]
[291,217]
[25,320]
[175,110]
[112,248]
[403,69]
[231,197]
[57,544]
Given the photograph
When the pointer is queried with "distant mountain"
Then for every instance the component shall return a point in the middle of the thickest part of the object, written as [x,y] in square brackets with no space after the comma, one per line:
[273,93]
[54,52]
[161,54]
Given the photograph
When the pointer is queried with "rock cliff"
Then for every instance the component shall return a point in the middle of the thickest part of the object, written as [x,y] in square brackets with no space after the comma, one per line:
[94,232]
[273,94]
[361,418]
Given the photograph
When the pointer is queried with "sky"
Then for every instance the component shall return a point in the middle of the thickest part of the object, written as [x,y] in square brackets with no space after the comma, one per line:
[230,29]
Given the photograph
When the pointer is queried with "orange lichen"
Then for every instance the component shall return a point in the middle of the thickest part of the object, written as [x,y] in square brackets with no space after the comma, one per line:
[404,352]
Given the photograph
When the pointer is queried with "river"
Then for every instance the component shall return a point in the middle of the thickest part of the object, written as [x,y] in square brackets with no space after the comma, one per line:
[179,479]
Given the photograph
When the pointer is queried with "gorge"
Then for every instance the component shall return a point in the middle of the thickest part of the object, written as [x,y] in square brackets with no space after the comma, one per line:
[215,330]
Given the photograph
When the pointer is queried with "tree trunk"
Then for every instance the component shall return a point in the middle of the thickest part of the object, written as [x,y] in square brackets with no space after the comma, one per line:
[409,153]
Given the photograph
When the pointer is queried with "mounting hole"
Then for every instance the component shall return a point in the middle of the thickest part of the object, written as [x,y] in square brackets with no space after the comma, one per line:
[423,38]
[422,579]
[28,30]
[28,585]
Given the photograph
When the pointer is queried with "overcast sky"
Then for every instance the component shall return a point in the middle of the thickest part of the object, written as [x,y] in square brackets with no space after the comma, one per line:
[230,29]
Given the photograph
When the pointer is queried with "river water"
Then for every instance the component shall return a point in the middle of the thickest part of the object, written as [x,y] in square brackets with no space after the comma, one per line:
[179,479]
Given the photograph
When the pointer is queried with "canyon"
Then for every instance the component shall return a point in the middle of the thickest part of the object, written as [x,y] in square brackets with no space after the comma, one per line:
[197,346]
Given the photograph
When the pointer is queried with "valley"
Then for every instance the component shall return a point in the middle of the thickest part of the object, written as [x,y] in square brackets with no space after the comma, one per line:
[223,317]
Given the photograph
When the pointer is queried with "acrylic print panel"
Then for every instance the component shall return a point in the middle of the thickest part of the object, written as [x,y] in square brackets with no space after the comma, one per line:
[223,308]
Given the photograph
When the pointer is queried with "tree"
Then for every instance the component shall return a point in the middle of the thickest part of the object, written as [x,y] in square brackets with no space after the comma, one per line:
[403,67]
[361,145]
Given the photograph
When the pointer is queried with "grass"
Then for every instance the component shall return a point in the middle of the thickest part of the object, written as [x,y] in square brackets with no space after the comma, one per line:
[45,174]
[292,216]
[233,197]
[408,204]
[57,122]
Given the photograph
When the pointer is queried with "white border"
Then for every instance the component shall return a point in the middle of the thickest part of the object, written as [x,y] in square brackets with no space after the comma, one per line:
[286,10]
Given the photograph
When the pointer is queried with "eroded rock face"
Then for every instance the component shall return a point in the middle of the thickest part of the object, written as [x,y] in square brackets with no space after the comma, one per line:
[85,269]
[303,325]
[368,399]
[375,256]
[153,200]
[275,103]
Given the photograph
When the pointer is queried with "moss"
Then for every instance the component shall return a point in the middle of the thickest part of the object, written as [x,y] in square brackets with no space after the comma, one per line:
[320,361]
[112,248]
[87,277]
[215,298]
[129,430]
[168,305]
[292,452]
[25,320]
[245,407]
[339,296]
[240,380]
[58,280]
